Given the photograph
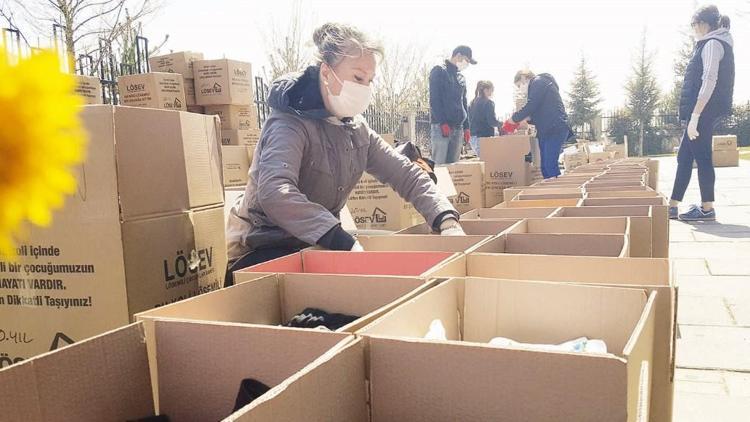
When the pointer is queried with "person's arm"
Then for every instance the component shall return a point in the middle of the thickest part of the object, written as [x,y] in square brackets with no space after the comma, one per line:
[534,100]
[409,181]
[437,90]
[466,108]
[280,198]
[711,56]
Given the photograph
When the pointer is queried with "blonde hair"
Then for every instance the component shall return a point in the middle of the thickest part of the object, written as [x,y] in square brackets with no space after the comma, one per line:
[523,74]
[335,41]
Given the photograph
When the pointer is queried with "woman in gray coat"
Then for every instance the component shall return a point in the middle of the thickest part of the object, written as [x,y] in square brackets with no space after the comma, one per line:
[313,150]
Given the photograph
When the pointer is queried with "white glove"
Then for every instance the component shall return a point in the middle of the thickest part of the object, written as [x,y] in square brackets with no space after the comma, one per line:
[692,127]
[450,227]
[357,247]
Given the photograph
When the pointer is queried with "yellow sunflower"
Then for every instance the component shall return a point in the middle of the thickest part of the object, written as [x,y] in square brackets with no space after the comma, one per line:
[41,140]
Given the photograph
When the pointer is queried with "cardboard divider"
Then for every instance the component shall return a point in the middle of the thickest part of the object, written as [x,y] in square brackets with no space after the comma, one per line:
[601,225]
[567,244]
[623,194]
[651,274]
[531,203]
[471,380]
[601,202]
[470,227]
[423,264]
[421,243]
[508,213]
[640,216]
[511,193]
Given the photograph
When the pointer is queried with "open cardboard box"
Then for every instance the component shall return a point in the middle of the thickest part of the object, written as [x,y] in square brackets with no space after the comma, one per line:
[610,201]
[422,243]
[543,201]
[652,274]
[471,227]
[409,264]
[643,234]
[512,193]
[633,188]
[556,225]
[574,244]
[464,378]
[501,213]
[639,193]
[200,367]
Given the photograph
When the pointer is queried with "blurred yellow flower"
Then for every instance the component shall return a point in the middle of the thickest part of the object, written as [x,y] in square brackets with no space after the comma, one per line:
[41,140]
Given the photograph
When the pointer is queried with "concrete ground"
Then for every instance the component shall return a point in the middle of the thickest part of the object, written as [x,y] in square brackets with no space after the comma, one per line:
[712,270]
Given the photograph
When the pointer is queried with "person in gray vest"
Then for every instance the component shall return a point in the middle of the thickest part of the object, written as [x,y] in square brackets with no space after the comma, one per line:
[313,150]
[706,97]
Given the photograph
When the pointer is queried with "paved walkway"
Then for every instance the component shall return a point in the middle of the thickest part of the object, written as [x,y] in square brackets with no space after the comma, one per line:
[712,270]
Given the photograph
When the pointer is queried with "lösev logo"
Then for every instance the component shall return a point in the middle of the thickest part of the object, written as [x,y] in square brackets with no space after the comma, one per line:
[135,87]
[501,174]
[216,89]
[6,360]
[378,217]
[463,198]
[240,73]
[183,264]
[176,104]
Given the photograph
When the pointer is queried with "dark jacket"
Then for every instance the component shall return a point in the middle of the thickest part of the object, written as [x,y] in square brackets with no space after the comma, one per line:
[545,107]
[448,96]
[482,117]
[720,103]
[304,168]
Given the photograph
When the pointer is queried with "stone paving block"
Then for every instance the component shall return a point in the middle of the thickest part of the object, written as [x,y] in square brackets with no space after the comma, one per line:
[738,384]
[736,290]
[692,407]
[736,235]
[733,264]
[704,347]
[689,267]
[695,310]
[709,250]
[740,313]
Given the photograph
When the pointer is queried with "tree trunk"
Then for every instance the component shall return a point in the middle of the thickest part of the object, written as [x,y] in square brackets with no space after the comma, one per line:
[640,141]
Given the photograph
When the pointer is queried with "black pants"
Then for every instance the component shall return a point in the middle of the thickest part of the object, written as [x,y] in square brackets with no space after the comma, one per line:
[254,258]
[700,151]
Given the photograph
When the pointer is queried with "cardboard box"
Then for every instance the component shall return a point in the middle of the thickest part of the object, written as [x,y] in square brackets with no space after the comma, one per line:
[571,244]
[570,225]
[375,206]
[653,275]
[471,380]
[122,243]
[237,117]
[724,143]
[89,380]
[235,164]
[471,227]
[189,85]
[504,165]
[275,299]
[508,213]
[468,178]
[619,151]
[641,228]
[240,137]
[196,109]
[726,158]
[219,82]
[512,193]
[153,90]
[180,62]
[544,201]
[573,160]
[639,193]
[89,88]
[409,264]
[422,243]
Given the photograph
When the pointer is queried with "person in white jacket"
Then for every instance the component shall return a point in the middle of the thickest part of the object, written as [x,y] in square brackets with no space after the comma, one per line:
[706,97]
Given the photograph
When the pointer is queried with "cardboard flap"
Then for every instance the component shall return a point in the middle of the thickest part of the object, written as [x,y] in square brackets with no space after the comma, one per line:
[509,213]
[640,352]
[550,313]
[423,381]
[413,318]
[565,244]
[582,269]
[614,211]
[286,264]
[623,194]
[337,379]
[201,140]
[471,227]
[372,263]
[351,295]
[445,182]
[420,243]
[623,201]
[255,302]
[201,365]
[601,225]
[82,382]
[560,202]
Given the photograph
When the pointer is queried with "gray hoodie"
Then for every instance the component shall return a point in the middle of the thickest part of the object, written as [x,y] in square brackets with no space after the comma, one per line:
[305,166]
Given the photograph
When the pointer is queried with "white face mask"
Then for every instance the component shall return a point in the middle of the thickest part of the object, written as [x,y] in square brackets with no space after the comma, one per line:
[462,65]
[351,101]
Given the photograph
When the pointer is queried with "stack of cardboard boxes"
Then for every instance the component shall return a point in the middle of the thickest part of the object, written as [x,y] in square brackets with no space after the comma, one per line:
[145,228]
[180,63]
[725,151]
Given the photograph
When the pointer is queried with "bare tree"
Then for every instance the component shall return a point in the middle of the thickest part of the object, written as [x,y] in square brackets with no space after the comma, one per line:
[285,46]
[78,20]
[403,78]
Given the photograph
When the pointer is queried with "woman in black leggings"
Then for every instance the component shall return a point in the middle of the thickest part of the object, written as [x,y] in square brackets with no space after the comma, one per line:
[706,97]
